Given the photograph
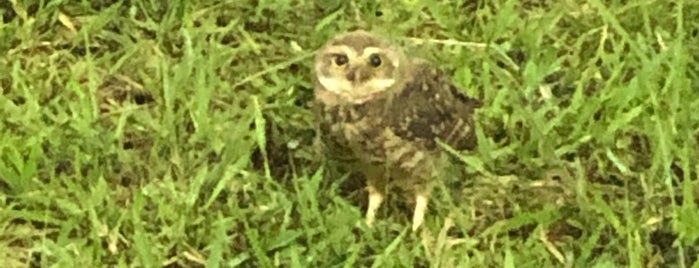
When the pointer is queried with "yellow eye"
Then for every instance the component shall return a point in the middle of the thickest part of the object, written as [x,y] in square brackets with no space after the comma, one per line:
[341,60]
[375,60]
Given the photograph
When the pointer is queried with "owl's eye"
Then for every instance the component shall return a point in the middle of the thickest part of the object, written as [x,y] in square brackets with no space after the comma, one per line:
[341,60]
[375,60]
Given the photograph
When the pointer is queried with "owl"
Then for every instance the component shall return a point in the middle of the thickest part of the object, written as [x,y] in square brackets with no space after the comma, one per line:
[382,113]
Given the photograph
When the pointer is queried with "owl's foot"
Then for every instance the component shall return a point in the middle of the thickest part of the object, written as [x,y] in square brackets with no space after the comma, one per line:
[375,200]
[420,209]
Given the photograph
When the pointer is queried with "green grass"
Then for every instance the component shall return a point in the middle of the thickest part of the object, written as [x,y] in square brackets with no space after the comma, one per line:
[157,133]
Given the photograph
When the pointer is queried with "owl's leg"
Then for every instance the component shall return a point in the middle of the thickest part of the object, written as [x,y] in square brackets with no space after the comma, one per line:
[421,200]
[375,199]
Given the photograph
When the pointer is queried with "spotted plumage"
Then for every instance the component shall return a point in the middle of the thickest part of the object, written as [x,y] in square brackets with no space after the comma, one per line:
[382,114]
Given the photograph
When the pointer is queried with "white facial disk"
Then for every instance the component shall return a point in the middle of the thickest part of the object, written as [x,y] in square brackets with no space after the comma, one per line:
[356,78]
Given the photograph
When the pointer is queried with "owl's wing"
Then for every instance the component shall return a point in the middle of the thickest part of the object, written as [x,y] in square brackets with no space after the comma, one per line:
[431,107]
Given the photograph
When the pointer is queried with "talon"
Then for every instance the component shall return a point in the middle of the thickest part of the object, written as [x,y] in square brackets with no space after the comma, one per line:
[420,209]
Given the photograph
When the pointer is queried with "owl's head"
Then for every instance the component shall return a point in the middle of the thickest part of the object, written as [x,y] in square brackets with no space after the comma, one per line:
[358,65]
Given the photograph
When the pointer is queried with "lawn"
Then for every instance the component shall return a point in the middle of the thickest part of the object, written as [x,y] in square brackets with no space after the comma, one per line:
[178,134]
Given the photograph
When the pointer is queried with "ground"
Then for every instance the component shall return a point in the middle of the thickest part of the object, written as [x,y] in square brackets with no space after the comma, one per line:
[157,133]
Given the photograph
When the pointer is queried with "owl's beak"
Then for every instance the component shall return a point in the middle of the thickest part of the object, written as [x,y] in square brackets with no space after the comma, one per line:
[353,74]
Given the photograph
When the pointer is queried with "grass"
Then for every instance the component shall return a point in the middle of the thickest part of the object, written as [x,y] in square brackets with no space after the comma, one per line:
[156,133]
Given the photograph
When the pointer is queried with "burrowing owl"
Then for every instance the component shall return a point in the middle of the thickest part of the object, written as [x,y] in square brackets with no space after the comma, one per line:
[382,113]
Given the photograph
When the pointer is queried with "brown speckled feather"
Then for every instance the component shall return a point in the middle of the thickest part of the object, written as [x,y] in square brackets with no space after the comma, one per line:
[382,114]
[393,128]
[431,107]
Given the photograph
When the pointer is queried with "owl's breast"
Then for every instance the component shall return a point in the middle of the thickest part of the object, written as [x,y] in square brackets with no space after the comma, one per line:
[351,131]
